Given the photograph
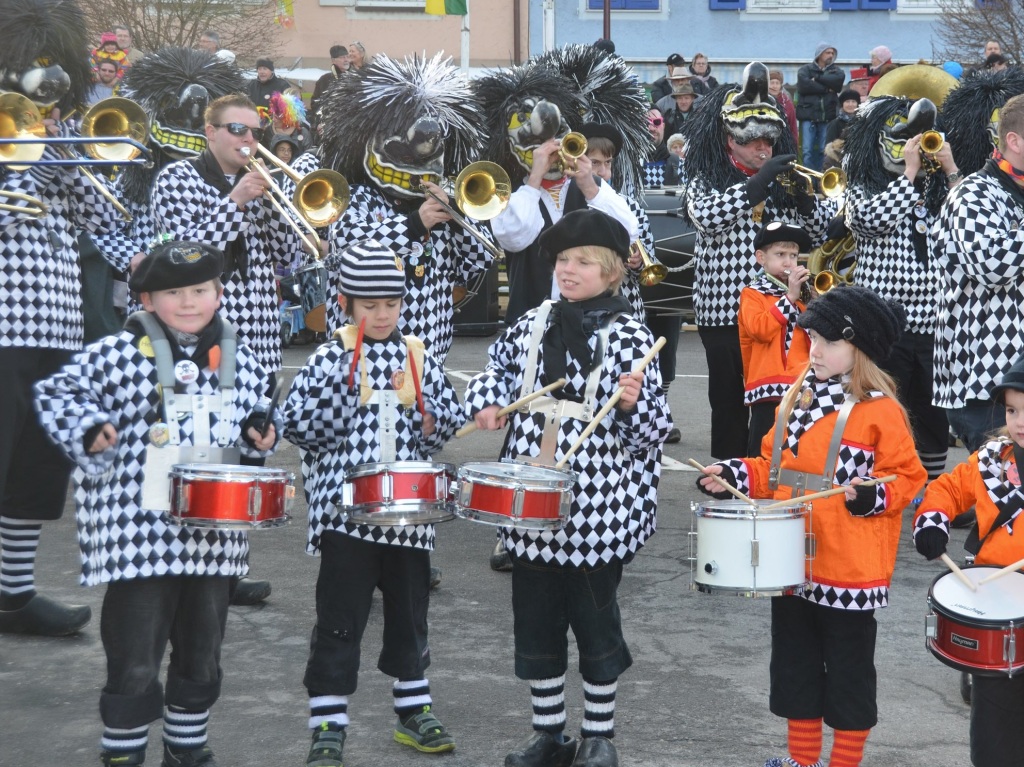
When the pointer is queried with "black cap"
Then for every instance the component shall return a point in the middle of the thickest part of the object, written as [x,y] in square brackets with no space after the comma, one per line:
[177,264]
[603,130]
[606,45]
[585,227]
[777,231]
[675,60]
[1012,379]
[849,95]
[268,63]
[338,51]
[858,315]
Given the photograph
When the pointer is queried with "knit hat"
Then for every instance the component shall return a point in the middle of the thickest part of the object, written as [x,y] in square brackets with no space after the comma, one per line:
[268,63]
[1012,379]
[822,47]
[849,95]
[585,227]
[108,37]
[882,52]
[858,315]
[777,231]
[177,264]
[603,130]
[337,51]
[371,270]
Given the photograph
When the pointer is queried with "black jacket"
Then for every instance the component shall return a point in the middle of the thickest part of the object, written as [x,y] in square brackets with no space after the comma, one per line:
[818,90]
[260,93]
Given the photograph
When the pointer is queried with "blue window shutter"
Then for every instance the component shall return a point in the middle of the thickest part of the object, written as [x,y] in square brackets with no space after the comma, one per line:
[727,5]
[839,5]
[878,5]
[625,5]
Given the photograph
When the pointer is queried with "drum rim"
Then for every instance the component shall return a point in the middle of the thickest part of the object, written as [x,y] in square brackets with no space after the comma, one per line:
[441,511]
[221,524]
[752,515]
[970,620]
[409,467]
[501,520]
[778,591]
[227,472]
[555,483]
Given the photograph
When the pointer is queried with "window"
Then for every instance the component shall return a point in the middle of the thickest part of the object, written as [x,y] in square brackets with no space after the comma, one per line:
[625,5]
[783,6]
[727,5]
[390,5]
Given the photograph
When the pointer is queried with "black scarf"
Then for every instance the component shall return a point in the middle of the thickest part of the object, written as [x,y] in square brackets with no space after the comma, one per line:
[209,337]
[236,256]
[570,325]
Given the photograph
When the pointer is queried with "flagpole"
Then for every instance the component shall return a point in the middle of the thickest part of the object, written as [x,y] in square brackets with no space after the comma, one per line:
[464,56]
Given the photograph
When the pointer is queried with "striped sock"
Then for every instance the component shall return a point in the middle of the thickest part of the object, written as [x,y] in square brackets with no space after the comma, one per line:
[128,741]
[185,730]
[599,709]
[548,699]
[804,741]
[19,539]
[934,464]
[411,696]
[848,748]
[331,710]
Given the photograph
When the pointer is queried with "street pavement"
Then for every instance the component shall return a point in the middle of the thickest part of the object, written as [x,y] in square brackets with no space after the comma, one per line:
[697,694]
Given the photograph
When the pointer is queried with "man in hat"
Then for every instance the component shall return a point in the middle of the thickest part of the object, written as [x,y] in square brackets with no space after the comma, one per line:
[339,65]
[663,86]
[264,85]
[678,106]
[818,85]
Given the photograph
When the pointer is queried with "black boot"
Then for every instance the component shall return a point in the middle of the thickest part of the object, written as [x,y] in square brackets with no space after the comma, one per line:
[45,617]
[542,749]
[596,752]
[249,592]
[122,758]
[501,560]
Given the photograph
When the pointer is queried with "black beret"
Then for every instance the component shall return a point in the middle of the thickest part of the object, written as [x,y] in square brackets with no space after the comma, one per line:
[603,130]
[778,231]
[585,227]
[177,264]
[858,315]
[1012,379]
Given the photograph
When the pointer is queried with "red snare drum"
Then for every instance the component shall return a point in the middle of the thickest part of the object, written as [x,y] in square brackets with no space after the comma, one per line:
[977,631]
[230,497]
[514,495]
[399,493]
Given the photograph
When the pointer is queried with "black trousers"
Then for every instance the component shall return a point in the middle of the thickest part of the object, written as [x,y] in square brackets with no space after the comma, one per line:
[350,569]
[997,721]
[762,418]
[34,472]
[725,391]
[910,364]
[669,326]
[139,617]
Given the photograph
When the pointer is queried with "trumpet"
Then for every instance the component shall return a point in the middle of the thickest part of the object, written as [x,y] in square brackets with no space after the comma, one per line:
[482,190]
[832,181]
[931,142]
[573,146]
[653,271]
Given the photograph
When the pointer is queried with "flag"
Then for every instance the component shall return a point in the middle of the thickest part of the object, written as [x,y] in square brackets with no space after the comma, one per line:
[447,7]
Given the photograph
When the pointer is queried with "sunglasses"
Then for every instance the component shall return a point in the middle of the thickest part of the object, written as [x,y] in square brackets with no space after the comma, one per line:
[655,121]
[240,129]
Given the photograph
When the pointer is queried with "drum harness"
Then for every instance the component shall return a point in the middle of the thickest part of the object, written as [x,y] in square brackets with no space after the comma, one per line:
[156,485]
[802,482]
[556,409]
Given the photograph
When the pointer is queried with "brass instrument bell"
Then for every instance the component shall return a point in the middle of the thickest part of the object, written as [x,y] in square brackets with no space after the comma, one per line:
[653,271]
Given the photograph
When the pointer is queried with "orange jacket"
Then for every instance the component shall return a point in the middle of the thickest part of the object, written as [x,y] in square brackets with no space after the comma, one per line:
[768,368]
[854,553]
[957,491]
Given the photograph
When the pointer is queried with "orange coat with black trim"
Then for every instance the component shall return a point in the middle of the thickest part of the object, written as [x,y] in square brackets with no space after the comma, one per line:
[770,365]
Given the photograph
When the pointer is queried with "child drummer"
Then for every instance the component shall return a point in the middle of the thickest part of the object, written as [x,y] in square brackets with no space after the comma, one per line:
[838,426]
[990,483]
[569,577]
[369,395]
[125,410]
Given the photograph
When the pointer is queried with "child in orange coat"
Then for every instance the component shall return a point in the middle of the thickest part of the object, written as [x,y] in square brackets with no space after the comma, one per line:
[774,349]
[823,641]
[990,483]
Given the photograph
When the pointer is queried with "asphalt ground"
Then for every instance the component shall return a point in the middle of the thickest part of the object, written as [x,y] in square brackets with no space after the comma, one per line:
[697,693]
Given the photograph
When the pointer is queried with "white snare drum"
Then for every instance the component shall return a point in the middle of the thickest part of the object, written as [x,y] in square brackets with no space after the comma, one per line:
[399,493]
[981,632]
[230,497]
[509,494]
[313,284]
[744,551]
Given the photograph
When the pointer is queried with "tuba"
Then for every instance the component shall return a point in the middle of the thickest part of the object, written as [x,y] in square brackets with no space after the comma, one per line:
[824,264]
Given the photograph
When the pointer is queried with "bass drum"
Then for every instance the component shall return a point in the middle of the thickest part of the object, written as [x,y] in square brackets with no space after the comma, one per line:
[674,247]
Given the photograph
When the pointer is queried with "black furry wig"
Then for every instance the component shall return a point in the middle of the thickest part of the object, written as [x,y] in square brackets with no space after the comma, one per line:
[968,109]
[504,92]
[379,105]
[49,31]
[612,95]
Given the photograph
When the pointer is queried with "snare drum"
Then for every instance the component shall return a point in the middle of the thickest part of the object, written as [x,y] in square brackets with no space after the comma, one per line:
[744,551]
[977,631]
[399,493]
[230,497]
[313,283]
[514,495]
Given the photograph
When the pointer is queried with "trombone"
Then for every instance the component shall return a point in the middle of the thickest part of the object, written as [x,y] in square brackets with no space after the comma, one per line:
[33,207]
[832,181]
[320,197]
[283,205]
[482,191]
[653,271]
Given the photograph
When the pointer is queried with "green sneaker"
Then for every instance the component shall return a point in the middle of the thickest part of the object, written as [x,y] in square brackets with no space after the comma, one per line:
[423,732]
[327,747]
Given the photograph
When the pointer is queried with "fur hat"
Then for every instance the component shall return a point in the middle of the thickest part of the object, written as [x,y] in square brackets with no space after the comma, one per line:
[371,270]
[858,315]
[849,95]
[968,110]
[177,264]
[1012,379]
[778,231]
[585,227]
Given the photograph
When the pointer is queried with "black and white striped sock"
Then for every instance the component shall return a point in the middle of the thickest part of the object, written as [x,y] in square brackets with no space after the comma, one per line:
[411,696]
[19,540]
[548,699]
[599,708]
[128,741]
[331,710]
[185,730]
[934,464]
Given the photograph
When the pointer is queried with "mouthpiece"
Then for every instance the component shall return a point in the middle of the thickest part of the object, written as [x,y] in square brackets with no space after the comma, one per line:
[762,156]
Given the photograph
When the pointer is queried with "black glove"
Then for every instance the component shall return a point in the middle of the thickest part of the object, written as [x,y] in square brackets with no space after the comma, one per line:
[804,202]
[720,493]
[930,542]
[837,228]
[864,503]
[757,185]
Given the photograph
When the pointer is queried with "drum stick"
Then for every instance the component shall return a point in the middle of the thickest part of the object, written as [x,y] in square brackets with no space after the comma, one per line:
[960,573]
[470,427]
[827,493]
[723,483]
[998,573]
[269,418]
[610,404]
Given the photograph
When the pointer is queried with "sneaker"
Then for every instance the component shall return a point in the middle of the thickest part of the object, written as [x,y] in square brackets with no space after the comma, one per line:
[122,758]
[188,757]
[787,762]
[435,577]
[501,560]
[249,592]
[423,732]
[327,747]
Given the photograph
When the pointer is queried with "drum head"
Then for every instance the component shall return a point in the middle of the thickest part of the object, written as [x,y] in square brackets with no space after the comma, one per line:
[996,602]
